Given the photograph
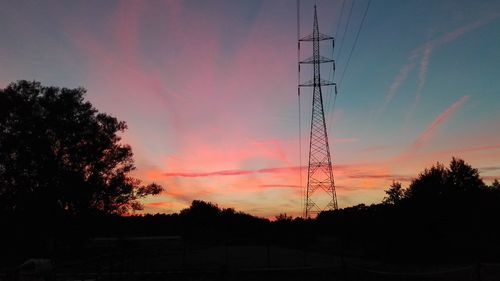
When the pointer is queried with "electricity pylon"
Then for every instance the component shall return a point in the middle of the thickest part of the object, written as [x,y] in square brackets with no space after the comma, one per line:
[319,173]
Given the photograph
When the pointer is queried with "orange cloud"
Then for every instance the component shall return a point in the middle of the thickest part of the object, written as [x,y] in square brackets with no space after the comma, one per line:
[279,186]
[276,189]
[233,172]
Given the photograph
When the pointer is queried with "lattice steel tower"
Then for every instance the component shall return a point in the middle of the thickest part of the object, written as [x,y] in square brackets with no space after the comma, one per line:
[319,174]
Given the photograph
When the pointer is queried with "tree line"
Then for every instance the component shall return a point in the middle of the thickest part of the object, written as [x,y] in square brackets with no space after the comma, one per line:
[65,177]
[59,155]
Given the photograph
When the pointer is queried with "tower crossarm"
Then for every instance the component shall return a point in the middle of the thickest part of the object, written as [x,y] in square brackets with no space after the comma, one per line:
[322,59]
[322,82]
[316,37]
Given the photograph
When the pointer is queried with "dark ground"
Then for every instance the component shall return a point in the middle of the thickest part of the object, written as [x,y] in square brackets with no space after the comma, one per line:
[172,258]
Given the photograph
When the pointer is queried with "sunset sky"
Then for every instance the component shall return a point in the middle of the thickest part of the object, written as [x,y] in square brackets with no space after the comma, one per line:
[209,90]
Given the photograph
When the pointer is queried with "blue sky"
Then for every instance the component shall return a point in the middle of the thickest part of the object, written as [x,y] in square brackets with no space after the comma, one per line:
[209,89]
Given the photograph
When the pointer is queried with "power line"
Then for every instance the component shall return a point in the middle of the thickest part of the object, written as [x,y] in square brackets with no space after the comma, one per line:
[349,59]
[340,19]
[345,28]
[300,117]
[355,42]
[330,112]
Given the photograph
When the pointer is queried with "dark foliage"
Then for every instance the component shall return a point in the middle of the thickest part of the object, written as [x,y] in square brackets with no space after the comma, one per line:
[222,225]
[64,178]
[59,155]
[394,194]
[439,184]
[446,213]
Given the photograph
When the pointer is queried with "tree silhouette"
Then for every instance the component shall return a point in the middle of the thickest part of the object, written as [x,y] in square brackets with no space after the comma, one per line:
[394,194]
[431,184]
[438,182]
[201,211]
[462,177]
[58,154]
[495,184]
[283,217]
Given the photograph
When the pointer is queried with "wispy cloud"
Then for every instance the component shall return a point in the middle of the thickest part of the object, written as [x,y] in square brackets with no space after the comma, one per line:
[424,52]
[403,178]
[489,169]
[343,169]
[279,186]
[233,172]
[424,64]
[209,174]
[431,129]
[470,153]
[161,204]
[450,36]
[398,80]
[167,206]
[429,46]
[348,171]
[477,148]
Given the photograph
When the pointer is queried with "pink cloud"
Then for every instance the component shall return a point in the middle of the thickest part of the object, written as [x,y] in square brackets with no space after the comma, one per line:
[199,105]
[403,178]
[431,129]
[343,171]
[277,188]
[209,174]
[125,26]
[235,155]
[407,158]
[481,148]
[233,172]
[480,154]
[375,148]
